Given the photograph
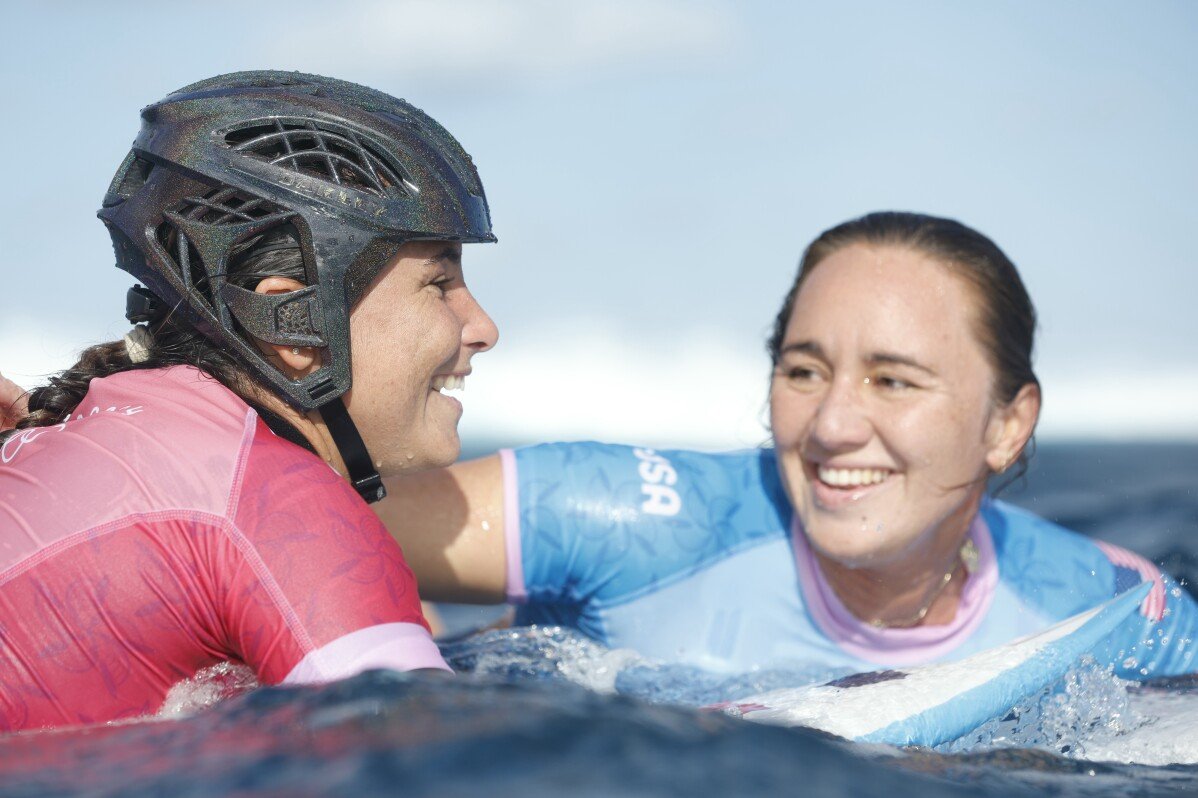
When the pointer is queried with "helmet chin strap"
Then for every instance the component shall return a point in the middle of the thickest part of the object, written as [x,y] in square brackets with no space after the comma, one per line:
[362,474]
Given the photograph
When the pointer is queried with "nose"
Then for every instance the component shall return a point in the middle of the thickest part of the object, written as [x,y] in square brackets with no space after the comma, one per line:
[479,332]
[841,421]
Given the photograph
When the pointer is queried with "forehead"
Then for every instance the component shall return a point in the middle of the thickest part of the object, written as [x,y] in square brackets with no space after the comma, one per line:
[429,250]
[889,298]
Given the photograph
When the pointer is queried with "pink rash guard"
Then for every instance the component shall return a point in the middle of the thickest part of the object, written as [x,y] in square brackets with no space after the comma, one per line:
[164,528]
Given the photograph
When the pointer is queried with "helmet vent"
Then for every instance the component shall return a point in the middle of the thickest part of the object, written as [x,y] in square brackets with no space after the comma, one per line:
[321,150]
[130,178]
[225,206]
[219,208]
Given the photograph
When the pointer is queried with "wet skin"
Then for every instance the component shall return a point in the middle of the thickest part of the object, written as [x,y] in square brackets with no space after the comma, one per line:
[886,426]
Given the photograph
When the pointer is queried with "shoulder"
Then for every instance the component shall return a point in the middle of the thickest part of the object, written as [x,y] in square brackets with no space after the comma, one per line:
[615,520]
[643,483]
[175,390]
[1062,571]
[139,441]
[279,479]
[750,469]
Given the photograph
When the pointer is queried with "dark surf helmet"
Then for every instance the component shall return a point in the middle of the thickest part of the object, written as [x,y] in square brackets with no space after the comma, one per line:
[353,171]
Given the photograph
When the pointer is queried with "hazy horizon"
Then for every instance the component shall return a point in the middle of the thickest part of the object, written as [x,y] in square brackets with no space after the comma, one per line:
[655,168]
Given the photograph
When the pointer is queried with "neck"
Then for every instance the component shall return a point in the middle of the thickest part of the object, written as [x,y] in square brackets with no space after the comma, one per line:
[309,424]
[922,588]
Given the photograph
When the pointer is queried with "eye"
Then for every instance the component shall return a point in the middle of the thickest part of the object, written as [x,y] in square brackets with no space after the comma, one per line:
[802,377]
[891,383]
[442,283]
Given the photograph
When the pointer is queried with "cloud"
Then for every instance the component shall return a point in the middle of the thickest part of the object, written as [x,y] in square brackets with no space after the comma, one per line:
[1158,405]
[688,388]
[486,43]
[695,388]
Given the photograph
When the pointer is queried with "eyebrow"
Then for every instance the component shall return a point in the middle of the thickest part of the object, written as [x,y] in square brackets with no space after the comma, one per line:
[890,358]
[804,348]
[874,358]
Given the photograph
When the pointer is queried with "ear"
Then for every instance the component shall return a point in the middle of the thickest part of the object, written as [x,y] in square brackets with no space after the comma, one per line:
[297,361]
[1011,427]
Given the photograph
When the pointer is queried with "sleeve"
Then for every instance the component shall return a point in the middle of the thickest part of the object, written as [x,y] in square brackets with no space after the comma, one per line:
[1060,573]
[310,584]
[591,523]
[1158,640]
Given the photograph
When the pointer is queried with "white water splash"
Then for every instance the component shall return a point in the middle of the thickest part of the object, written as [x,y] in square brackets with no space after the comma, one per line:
[208,687]
[1094,716]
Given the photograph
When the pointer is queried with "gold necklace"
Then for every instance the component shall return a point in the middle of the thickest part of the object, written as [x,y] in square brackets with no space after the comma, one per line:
[967,557]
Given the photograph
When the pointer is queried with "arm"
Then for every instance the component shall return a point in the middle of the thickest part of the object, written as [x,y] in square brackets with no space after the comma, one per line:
[310,586]
[449,523]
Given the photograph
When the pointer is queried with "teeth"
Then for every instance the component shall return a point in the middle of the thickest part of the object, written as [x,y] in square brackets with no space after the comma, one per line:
[449,382]
[852,477]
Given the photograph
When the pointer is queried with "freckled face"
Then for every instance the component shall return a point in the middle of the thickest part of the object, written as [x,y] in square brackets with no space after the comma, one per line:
[413,334]
[882,406]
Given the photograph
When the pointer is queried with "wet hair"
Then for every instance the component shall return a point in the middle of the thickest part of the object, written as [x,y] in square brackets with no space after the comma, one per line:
[175,340]
[1006,324]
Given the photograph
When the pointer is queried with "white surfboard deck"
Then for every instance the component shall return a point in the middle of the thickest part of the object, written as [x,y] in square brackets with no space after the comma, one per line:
[931,704]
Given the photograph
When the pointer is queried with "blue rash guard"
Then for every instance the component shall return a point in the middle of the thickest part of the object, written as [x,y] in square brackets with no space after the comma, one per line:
[698,559]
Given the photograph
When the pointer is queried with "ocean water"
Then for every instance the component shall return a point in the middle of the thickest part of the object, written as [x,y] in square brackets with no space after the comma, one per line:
[546,712]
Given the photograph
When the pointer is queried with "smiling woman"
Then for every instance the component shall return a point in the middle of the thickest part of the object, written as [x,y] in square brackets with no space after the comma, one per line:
[902,383]
[197,492]
[890,413]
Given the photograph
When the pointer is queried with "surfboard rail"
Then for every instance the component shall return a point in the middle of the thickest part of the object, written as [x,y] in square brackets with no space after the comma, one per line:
[931,704]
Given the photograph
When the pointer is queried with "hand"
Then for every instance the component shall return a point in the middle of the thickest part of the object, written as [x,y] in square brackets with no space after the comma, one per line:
[14,403]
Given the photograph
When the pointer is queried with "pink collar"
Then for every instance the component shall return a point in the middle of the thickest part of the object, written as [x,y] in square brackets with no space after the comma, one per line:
[897,646]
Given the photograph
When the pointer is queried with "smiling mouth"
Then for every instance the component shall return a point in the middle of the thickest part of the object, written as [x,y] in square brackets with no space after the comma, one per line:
[836,488]
[852,477]
[449,382]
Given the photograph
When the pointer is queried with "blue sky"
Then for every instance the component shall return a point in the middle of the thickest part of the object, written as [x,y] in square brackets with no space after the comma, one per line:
[655,168]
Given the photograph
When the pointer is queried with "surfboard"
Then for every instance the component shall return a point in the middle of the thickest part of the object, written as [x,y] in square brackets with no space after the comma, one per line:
[932,704]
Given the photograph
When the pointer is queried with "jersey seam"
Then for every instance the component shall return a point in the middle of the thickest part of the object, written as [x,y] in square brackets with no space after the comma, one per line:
[243,545]
[75,538]
[248,432]
[290,616]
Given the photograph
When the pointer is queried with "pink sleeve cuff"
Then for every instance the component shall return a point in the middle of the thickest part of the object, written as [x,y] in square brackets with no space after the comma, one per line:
[514,586]
[398,646]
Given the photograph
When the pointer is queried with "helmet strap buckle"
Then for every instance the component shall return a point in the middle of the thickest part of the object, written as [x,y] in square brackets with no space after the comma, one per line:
[362,473]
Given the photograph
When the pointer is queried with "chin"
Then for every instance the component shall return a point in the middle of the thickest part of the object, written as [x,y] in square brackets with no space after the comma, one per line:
[852,548]
[444,453]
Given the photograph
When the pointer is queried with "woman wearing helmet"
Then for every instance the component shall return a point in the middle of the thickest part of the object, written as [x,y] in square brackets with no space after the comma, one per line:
[198,491]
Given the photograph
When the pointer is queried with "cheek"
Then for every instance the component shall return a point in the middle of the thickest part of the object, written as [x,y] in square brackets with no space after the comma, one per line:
[791,414]
[944,439]
[782,416]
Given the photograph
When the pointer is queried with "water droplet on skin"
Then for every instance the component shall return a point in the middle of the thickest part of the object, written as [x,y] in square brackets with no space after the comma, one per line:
[486,525]
[410,456]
